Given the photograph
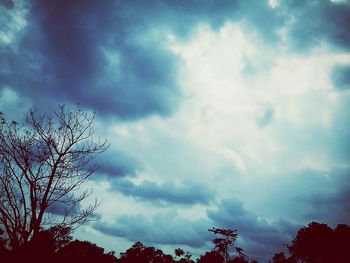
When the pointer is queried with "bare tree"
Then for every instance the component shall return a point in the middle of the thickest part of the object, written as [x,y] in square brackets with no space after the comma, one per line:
[43,166]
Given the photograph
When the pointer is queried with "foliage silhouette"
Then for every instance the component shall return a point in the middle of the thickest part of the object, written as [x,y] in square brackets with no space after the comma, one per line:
[179,252]
[184,257]
[281,258]
[3,250]
[211,257]
[85,251]
[43,164]
[61,236]
[139,253]
[318,243]
[222,245]
[342,243]
[56,245]
[225,242]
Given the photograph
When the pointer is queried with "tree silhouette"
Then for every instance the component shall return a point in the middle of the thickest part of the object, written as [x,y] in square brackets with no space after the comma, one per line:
[179,252]
[312,243]
[3,249]
[280,258]
[211,257]
[184,257]
[225,242]
[84,251]
[318,243]
[61,236]
[43,165]
[139,253]
[342,243]
[222,245]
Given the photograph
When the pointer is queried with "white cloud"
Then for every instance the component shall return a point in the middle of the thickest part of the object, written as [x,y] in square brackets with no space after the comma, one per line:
[273,3]
[14,21]
[10,99]
[235,158]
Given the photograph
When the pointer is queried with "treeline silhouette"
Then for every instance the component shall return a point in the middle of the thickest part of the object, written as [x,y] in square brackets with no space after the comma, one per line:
[316,243]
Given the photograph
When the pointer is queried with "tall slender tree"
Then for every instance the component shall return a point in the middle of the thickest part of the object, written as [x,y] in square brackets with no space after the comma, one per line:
[225,242]
[43,166]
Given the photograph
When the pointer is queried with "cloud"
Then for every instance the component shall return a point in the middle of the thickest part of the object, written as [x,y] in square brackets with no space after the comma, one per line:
[113,56]
[12,105]
[84,51]
[329,24]
[187,193]
[219,123]
[266,117]
[110,56]
[13,22]
[331,207]
[256,232]
[292,195]
[330,202]
[239,112]
[340,76]
[255,14]
[63,209]
[7,3]
[166,229]
[114,164]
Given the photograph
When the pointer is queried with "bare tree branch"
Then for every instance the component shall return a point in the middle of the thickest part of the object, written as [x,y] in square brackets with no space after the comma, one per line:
[42,164]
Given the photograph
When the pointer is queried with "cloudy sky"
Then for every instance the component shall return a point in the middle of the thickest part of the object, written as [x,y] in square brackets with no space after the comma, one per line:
[228,113]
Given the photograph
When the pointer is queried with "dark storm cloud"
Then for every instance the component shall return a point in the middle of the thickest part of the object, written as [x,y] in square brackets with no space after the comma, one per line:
[113,164]
[331,207]
[84,51]
[341,77]
[107,55]
[63,209]
[314,22]
[167,192]
[7,3]
[256,232]
[160,229]
[330,202]
[111,55]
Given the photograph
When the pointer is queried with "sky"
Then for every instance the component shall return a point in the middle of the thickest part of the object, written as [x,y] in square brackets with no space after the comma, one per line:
[228,113]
